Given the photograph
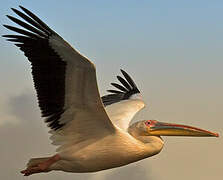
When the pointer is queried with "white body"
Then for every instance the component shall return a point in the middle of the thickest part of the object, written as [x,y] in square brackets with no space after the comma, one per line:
[108,152]
[90,137]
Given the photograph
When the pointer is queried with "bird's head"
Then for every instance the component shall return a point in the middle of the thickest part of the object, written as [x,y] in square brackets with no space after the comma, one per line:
[150,131]
[156,128]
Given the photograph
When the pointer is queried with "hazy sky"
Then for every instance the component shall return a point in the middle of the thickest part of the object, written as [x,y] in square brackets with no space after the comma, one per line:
[173,50]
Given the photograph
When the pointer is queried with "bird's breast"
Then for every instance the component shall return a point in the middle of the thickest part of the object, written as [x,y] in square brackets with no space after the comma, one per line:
[109,152]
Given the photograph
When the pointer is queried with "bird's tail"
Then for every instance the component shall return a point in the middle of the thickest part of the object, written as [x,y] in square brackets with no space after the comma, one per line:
[34,161]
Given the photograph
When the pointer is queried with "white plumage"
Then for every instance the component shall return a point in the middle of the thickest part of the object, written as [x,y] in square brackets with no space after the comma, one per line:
[92,132]
[121,113]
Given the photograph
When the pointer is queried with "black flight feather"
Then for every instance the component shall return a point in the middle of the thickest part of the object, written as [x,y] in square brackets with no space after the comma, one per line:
[123,93]
[48,69]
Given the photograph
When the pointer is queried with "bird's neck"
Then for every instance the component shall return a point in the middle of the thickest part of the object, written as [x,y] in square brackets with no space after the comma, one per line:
[153,144]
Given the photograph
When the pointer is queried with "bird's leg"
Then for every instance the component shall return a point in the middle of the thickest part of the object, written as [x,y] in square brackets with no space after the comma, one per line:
[41,167]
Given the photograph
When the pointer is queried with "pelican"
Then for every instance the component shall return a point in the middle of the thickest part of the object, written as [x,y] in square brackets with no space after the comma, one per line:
[92,133]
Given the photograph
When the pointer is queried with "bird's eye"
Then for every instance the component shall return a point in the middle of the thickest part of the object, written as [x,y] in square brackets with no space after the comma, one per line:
[147,123]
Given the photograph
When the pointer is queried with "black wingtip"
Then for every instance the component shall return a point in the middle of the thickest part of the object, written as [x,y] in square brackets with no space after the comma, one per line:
[122,70]
[13,9]
[119,87]
[6,26]
[10,17]
[25,10]
[124,91]
[22,7]
[114,91]
[129,79]
[124,73]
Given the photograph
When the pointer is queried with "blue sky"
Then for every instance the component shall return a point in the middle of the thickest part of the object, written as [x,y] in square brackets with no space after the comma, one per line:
[174,34]
[173,50]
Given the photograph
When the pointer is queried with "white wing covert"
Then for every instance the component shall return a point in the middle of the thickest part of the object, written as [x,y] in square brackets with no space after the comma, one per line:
[122,104]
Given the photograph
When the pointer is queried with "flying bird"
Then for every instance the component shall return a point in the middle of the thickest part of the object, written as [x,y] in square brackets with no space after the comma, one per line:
[92,133]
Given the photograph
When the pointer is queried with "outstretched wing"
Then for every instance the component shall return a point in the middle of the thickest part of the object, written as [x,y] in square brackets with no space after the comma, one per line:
[121,105]
[65,82]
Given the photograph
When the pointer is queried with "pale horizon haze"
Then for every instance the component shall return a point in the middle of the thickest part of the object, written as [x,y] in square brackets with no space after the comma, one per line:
[172,49]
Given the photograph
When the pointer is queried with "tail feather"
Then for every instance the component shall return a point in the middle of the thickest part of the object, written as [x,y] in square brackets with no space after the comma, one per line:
[34,161]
